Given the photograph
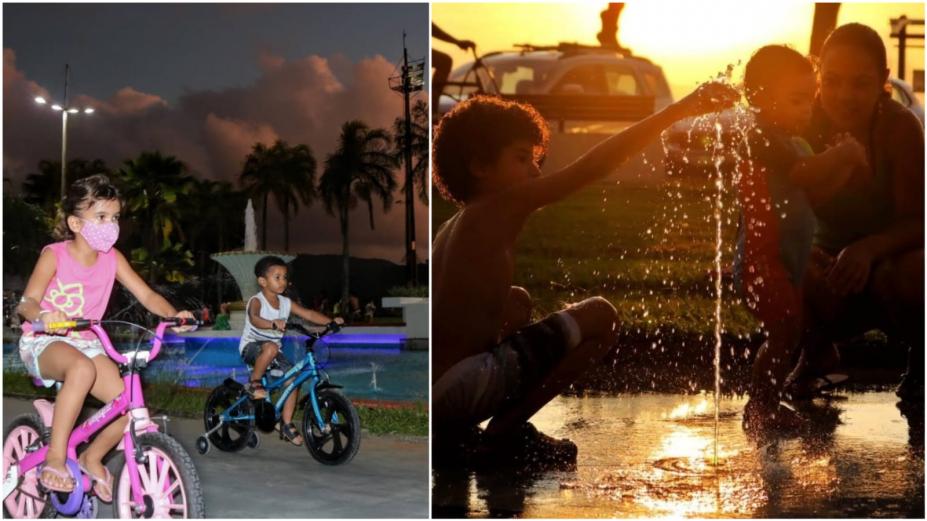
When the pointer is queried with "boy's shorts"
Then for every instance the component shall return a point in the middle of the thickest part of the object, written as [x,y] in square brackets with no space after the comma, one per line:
[250,352]
[480,386]
[31,347]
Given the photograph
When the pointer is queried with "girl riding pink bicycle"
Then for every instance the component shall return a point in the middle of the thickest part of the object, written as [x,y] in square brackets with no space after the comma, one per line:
[74,278]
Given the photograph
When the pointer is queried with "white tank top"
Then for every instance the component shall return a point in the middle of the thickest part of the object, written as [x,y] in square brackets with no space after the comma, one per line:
[267,312]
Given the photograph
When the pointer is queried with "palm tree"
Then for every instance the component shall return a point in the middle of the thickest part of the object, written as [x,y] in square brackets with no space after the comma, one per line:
[209,227]
[287,173]
[151,186]
[360,169]
[419,146]
[38,187]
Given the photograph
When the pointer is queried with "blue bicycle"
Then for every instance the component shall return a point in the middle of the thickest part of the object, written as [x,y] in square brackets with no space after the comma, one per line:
[330,425]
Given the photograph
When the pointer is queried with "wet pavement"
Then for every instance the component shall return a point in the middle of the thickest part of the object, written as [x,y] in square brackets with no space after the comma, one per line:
[387,478]
[652,455]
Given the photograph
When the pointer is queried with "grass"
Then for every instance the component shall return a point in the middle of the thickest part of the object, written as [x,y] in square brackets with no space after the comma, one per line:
[648,249]
[180,401]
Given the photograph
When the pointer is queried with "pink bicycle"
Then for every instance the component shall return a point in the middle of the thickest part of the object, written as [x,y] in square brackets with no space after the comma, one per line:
[156,477]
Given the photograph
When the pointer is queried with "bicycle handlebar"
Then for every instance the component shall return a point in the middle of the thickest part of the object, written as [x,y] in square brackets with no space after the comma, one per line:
[331,327]
[80,324]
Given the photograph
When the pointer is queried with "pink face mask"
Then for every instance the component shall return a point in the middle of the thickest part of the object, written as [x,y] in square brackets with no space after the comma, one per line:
[100,236]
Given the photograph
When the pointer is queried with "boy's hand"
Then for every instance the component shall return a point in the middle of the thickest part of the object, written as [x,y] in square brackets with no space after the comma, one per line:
[713,96]
[54,316]
[465,44]
[183,329]
[279,325]
[852,155]
[339,321]
[851,150]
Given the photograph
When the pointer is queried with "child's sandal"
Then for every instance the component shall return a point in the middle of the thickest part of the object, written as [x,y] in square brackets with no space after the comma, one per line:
[289,433]
[256,390]
[65,478]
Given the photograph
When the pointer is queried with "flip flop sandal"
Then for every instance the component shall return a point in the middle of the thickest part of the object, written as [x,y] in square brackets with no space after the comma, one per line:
[816,386]
[102,487]
[828,381]
[289,433]
[59,474]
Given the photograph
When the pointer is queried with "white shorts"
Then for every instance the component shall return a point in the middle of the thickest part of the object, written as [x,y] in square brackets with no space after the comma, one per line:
[31,347]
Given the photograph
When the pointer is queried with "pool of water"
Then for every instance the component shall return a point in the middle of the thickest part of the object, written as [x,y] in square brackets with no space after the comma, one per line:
[651,455]
[368,369]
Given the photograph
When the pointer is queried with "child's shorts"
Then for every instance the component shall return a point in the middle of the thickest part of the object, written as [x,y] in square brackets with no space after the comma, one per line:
[31,347]
[250,352]
[480,386]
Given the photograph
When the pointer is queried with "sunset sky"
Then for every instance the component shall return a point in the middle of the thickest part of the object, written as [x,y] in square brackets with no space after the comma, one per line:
[205,82]
[690,40]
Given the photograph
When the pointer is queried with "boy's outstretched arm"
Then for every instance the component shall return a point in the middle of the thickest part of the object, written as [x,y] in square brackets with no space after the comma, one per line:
[603,158]
[312,315]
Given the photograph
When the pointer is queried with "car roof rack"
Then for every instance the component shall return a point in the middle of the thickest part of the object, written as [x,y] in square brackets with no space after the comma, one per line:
[574,48]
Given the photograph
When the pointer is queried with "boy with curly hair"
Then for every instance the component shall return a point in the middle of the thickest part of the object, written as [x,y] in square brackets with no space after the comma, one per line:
[489,359]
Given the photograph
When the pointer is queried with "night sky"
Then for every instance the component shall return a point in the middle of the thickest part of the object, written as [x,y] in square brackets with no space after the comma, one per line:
[204,83]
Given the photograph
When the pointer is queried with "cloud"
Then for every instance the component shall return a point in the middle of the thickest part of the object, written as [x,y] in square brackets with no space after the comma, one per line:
[303,100]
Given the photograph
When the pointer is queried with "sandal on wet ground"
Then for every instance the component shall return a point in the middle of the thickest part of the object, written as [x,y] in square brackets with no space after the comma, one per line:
[62,476]
[530,447]
[806,389]
[765,419]
[289,433]
[102,486]
[256,390]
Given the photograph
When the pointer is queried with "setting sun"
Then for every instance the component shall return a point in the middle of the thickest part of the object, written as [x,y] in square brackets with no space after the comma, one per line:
[692,41]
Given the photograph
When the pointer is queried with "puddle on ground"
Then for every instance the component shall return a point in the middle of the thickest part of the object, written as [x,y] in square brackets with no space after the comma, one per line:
[652,455]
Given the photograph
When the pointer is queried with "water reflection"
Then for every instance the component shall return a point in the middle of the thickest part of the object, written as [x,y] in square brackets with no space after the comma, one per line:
[653,456]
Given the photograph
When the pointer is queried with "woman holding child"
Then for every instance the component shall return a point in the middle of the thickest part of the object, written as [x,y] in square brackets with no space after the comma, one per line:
[867,265]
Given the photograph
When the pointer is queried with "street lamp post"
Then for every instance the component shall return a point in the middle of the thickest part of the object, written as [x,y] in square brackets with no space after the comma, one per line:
[64,109]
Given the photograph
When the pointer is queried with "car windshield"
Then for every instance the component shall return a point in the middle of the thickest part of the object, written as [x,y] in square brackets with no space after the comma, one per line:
[512,76]
[519,76]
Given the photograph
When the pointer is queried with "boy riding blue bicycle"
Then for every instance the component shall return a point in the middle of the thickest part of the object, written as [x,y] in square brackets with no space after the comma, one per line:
[265,321]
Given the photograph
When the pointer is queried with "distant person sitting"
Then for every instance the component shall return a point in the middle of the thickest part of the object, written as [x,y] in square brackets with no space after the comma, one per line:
[369,311]
[222,318]
[777,190]
[442,63]
[489,359]
[261,340]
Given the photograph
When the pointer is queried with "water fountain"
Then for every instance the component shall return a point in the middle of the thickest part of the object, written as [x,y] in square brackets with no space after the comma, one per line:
[240,264]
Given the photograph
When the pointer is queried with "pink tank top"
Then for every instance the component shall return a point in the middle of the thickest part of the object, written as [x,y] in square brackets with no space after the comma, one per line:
[76,290]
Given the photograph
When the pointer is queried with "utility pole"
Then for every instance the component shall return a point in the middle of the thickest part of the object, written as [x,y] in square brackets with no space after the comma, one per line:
[411,80]
[900,31]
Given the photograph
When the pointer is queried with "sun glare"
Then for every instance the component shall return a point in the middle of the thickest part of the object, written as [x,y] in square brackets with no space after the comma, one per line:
[691,41]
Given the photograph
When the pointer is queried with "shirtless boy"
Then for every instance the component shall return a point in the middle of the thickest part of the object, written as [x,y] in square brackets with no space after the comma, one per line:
[489,359]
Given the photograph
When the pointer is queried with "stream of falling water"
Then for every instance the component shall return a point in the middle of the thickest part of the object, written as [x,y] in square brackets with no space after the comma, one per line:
[719,207]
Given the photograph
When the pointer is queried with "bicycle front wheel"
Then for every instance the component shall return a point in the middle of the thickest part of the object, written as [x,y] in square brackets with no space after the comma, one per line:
[170,484]
[338,440]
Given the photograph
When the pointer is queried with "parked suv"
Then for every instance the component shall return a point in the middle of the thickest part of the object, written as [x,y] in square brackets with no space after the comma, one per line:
[566,81]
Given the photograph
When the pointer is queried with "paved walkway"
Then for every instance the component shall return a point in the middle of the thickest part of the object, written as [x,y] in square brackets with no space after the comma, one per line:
[387,479]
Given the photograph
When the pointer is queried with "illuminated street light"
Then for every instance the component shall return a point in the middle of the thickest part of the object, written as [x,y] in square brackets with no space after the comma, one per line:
[64,109]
